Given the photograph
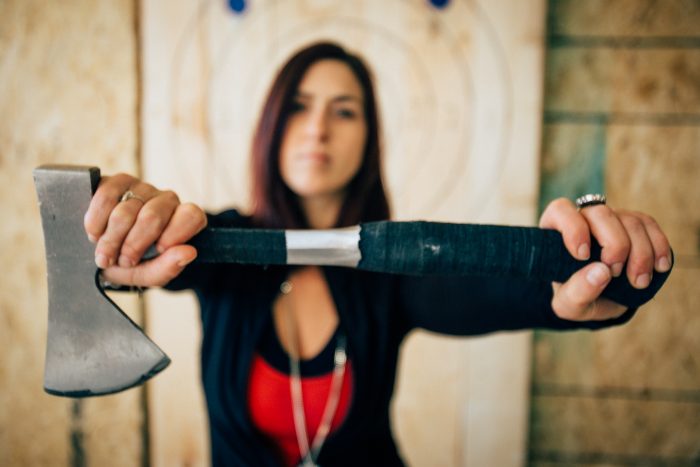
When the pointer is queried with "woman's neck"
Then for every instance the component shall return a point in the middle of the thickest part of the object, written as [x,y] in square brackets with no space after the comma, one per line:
[322,211]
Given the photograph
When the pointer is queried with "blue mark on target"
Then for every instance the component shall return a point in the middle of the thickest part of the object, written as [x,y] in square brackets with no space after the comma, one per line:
[439,4]
[236,5]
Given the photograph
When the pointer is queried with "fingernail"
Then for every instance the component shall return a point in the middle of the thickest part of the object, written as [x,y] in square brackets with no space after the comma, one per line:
[185,261]
[663,264]
[617,269]
[92,238]
[642,280]
[584,251]
[125,262]
[102,262]
[598,275]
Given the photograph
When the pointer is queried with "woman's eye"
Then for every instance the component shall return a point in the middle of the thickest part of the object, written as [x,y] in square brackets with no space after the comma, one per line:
[346,113]
[296,106]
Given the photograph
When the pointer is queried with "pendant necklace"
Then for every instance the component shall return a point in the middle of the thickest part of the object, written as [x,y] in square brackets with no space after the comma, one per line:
[310,454]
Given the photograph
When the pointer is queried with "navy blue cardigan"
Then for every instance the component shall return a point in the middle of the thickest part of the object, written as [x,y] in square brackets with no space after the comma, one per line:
[376,310]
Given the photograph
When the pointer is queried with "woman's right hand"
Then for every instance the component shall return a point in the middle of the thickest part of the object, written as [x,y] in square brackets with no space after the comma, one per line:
[124,230]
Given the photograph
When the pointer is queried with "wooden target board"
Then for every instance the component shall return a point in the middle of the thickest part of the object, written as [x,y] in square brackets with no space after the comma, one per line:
[460,138]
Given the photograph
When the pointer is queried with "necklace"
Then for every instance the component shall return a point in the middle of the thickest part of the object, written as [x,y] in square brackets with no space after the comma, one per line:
[309,455]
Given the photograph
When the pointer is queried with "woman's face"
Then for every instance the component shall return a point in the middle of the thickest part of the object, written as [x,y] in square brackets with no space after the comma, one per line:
[324,138]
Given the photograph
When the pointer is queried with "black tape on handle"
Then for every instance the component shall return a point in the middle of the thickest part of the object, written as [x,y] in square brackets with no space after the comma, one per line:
[244,246]
[431,248]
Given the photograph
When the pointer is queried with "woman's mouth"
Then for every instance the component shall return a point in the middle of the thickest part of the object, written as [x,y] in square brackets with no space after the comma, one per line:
[317,157]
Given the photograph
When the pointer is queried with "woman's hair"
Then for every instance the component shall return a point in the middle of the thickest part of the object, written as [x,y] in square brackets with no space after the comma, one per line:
[274,204]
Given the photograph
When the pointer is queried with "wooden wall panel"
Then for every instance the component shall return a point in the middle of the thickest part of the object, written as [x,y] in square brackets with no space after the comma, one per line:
[641,158]
[628,432]
[656,353]
[622,116]
[460,93]
[623,80]
[625,18]
[573,160]
[67,95]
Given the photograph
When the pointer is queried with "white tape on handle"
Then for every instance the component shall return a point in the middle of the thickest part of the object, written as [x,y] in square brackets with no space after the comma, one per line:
[331,247]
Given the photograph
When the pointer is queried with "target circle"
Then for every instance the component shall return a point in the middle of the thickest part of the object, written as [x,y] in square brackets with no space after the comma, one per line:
[445,143]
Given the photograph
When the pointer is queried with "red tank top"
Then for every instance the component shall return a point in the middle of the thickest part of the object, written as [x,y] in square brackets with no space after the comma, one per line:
[270,405]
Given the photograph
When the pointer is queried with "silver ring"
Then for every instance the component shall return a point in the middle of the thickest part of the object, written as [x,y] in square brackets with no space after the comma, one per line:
[131,195]
[590,200]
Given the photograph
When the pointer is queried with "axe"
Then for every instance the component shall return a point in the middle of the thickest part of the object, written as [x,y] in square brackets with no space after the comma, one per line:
[93,348]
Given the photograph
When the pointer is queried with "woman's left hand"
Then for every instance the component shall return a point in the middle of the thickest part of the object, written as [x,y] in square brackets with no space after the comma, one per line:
[626,237]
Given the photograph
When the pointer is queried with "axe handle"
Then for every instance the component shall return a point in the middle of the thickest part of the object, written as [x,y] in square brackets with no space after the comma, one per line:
[420,248]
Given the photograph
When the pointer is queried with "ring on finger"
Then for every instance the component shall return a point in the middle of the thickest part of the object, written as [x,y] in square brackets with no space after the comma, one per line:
[591,199]
[131,195]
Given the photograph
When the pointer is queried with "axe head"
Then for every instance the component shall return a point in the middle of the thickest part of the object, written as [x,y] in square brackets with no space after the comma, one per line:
[92,347]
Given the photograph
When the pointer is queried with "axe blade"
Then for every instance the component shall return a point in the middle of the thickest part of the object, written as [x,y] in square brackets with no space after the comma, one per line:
[92,348]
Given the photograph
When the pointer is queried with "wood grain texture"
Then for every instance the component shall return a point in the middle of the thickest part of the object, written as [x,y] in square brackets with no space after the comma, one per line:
[624,80]
[460,96]
[655,354]
[67,95]
[573,161]
[657,170]
[615,428]
[628,395]
[639,18]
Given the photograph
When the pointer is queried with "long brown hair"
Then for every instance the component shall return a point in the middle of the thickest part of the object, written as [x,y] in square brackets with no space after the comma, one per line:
[274,204]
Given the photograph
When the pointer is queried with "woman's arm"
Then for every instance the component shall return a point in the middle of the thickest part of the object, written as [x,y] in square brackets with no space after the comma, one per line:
[465,306]
[632,244]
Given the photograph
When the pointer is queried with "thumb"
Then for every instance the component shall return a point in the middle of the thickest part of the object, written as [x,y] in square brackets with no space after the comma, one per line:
[155,272]
[574,299]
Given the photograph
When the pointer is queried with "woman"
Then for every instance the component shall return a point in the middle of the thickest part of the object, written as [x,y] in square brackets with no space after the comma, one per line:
[290,355]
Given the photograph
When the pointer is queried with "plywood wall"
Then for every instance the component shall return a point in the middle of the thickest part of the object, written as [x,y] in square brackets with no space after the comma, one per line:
[460,94]
[623,116]
[68,94]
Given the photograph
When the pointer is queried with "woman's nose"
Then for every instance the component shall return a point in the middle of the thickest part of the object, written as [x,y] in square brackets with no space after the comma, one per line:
[317,125]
